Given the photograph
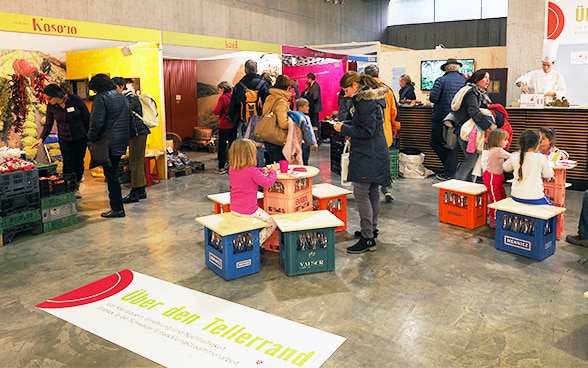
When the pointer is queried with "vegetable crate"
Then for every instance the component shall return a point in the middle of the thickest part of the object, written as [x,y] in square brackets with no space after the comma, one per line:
[524,235]
[232,256]
[19,182]
[461,209]
[58,212]
[307,251]
[36,227]
[57,184]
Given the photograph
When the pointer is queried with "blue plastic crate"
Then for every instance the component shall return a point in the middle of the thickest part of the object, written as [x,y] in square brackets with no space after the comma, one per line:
[232,256]
[524,235]
[307,251]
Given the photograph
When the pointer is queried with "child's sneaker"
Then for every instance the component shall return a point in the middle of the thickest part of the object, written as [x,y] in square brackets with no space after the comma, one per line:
[220,171]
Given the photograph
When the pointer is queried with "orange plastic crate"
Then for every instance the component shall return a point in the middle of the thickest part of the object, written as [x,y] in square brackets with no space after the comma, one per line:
[555,192]
[272,243]
[280,203]
[337,205]
[461,209]
[290,186]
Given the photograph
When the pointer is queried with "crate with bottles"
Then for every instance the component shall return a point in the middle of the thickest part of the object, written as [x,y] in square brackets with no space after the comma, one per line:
[462,203]
[231,244]
[526,229]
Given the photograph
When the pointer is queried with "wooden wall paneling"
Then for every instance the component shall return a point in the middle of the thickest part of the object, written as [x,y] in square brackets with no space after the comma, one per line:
[570,125]
[180,80]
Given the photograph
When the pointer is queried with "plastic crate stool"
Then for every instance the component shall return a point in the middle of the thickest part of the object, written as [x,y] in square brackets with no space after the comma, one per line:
[231,244]
[462,203]
[332,198]
[222,201]
[307,241]
[526,229]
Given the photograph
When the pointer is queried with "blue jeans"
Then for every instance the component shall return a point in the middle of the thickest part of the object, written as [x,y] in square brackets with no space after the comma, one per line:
[583,223]
[465,170]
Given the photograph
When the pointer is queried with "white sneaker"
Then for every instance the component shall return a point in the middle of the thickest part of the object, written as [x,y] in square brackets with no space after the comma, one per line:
[220,171]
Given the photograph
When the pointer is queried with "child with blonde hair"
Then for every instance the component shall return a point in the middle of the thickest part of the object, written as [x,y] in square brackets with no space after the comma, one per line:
[245,178]
[529,167]
[493,176]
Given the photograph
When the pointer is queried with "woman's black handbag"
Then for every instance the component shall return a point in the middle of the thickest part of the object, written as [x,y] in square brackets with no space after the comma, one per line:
[100,153]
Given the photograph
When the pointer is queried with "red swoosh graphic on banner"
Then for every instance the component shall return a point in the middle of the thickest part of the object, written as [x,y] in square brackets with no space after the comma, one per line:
[555,21]
[91,293]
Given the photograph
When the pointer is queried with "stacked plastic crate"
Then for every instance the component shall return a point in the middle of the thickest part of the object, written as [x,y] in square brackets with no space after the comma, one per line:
[58,201]
[19,203]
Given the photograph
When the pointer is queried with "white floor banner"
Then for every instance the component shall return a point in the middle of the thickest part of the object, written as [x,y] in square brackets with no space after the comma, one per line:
[179,327]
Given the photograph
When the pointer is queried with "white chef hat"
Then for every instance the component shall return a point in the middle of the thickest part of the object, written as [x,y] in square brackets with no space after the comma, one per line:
[549,50]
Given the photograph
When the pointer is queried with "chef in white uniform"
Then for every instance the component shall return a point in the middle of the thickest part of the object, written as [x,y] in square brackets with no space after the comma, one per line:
[545,81]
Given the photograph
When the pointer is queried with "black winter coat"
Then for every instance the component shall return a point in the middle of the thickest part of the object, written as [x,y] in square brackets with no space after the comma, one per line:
[111,114]
[369,160]
[251,81]
[442,93]
[137,127]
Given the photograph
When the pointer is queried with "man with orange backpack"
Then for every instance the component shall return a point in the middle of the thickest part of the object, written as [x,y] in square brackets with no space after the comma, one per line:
[248,97]
[391,125]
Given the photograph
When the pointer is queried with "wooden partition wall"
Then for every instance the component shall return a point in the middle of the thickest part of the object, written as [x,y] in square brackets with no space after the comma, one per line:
[571,126]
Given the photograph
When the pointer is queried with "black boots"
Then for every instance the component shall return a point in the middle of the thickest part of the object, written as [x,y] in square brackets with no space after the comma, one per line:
[357,234]
[111,214]
[135,195]
[362,246]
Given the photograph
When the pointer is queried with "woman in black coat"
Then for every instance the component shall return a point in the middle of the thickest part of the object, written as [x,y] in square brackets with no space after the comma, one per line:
[369,163]
[110,116]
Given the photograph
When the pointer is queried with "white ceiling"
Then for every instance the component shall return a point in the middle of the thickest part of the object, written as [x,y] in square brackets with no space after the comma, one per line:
[62,44]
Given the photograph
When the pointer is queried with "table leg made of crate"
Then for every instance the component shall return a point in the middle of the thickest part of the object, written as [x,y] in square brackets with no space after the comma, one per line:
[307,241]
[555,190]
[462,203]
[231,244]
[292,192]
[330,197]
[526,229]
[222,201]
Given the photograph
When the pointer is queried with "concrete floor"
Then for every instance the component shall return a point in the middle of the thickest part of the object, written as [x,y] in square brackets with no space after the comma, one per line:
[432,295]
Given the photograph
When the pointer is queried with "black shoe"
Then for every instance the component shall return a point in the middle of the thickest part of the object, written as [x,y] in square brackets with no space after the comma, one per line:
[110,214]
[131,198]
[577,240]
[142,195]
[362,246]
[443,177]
[358,234]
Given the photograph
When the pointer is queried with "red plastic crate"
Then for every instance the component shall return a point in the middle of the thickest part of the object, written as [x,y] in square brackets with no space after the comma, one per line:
[272,243]
[337,205]
[465,210]
[555,192]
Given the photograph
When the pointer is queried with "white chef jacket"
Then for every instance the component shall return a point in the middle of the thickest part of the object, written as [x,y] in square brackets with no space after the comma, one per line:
[539,82]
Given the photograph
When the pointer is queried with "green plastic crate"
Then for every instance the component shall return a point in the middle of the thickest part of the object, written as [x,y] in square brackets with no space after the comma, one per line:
[57,200]
[394,163]
[59,223]
[298,256]
[21,218]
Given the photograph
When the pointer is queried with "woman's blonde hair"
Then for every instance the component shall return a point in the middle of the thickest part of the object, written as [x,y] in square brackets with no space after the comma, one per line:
[242,154]
[496,136]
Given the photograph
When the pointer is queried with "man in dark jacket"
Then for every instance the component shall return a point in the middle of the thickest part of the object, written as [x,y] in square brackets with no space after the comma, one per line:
[110,117]
[313,95]
[252,81]
[441,95]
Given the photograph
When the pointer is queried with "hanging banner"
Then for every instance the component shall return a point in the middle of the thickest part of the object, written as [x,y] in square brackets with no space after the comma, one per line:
[567,21]
[179,327]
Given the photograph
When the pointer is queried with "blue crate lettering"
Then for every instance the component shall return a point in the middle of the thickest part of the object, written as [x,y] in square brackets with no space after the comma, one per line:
[524,235]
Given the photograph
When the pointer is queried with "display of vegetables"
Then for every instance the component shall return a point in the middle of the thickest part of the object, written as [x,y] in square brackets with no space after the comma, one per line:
[18,101]
[15,164]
